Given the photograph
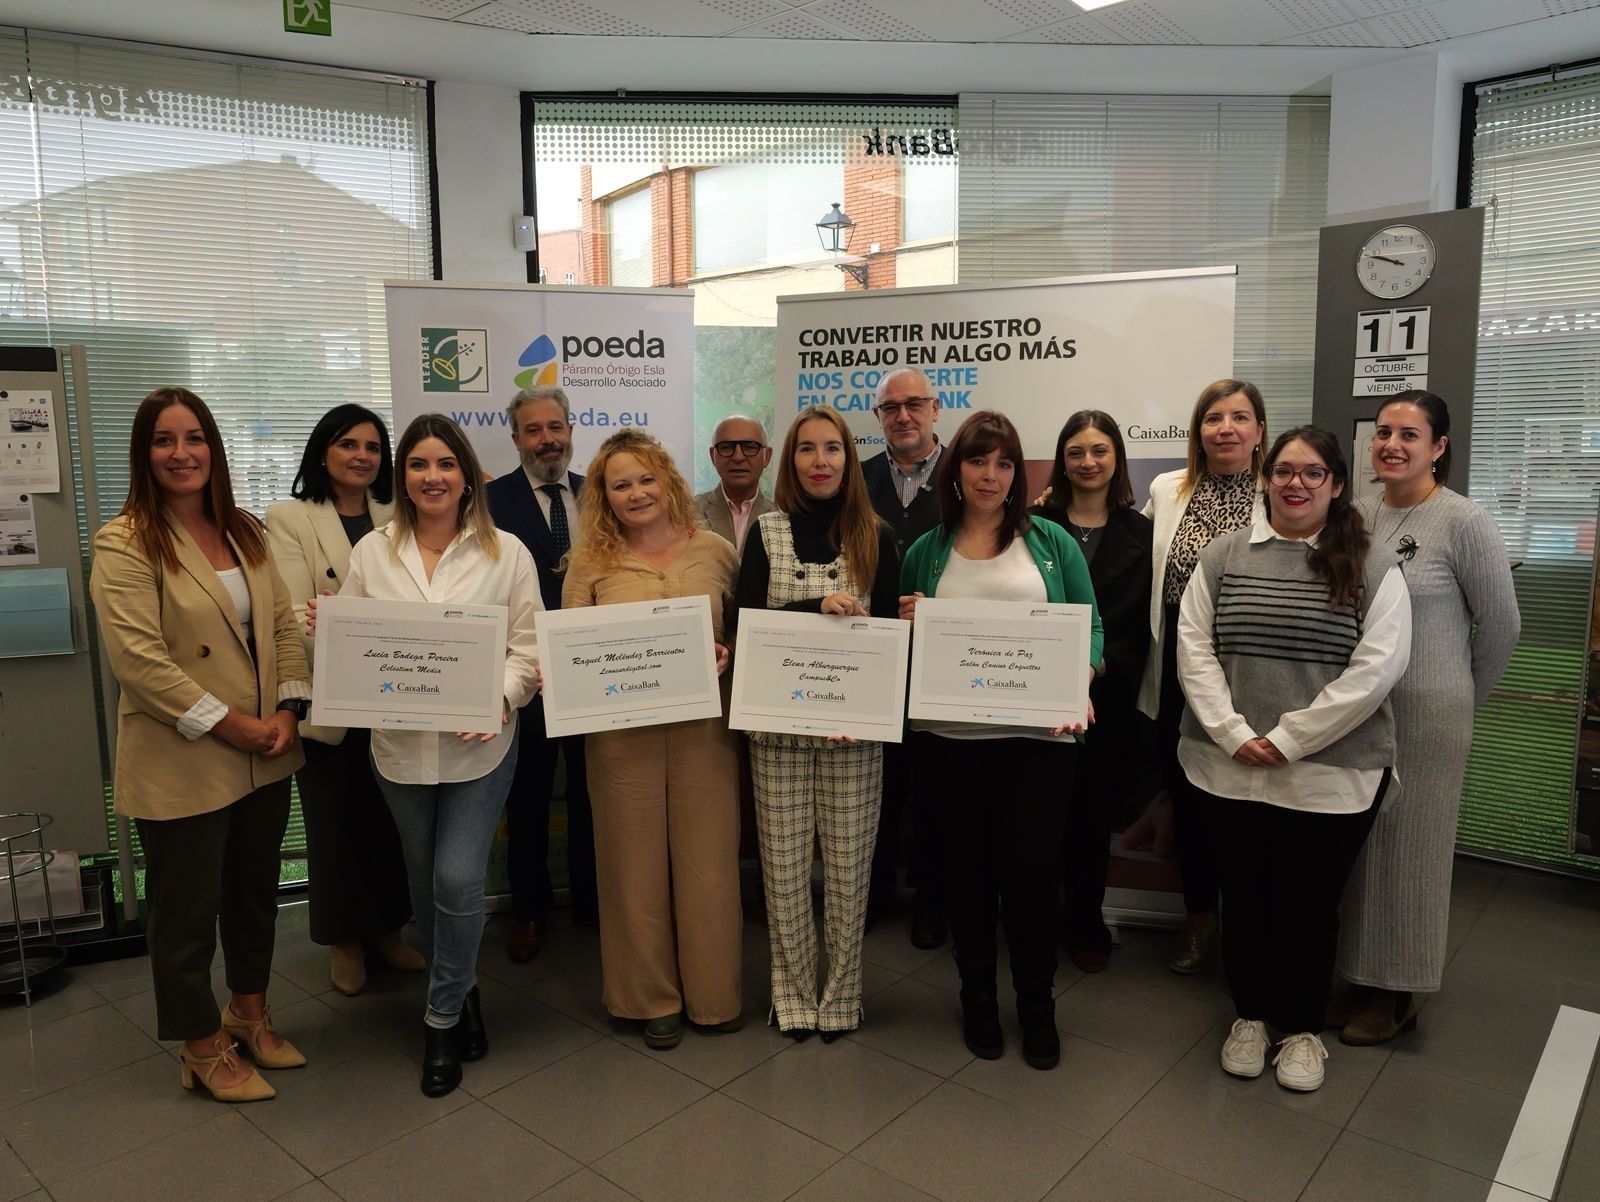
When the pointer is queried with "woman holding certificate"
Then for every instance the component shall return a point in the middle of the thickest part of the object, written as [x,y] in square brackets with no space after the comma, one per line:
[665,798]
[201,634]
[1002,844]
[345,487]
[823,550]
[446,791]
[1218,492]
[1291,635]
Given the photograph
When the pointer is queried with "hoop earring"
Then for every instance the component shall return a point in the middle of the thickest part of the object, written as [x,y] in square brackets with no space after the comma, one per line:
[1008,500]
[466,490]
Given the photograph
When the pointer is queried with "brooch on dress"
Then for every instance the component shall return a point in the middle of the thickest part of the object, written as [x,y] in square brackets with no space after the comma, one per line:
[1406,548]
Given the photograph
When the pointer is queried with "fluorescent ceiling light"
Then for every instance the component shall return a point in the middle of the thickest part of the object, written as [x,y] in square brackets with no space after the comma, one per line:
[1089,6]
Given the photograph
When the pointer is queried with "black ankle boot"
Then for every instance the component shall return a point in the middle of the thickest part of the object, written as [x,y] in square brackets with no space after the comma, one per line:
[441,1060]
[1041,1042]
[980,1024]
[474,1036]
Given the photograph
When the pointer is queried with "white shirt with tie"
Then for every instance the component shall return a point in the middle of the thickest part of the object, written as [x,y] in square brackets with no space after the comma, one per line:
[568,500]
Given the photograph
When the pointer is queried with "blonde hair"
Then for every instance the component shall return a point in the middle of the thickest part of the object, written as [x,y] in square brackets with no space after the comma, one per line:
[1197,451]
[472,512]
[855,528]
[600,539]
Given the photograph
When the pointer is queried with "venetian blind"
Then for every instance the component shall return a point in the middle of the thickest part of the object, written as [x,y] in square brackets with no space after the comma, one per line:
[1072,185]
[1536,443]
[213,224]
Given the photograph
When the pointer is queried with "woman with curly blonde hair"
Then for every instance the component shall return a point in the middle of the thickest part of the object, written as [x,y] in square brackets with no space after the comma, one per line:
[665,798]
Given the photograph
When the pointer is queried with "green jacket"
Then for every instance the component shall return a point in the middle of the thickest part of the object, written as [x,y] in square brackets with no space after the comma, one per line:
[1060,562]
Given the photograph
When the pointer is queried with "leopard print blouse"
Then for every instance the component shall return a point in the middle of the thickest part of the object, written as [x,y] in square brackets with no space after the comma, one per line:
[1219,505]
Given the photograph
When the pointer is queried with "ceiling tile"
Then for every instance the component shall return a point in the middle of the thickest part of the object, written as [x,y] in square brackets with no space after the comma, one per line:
[1462,17]
[1145,24]
[503,16]
[1231,22]
[1307,15]
[870,23]
[1079,31]
[746,11]
[1378,8]
[1556,8]
[1031,13]
[794,25]
[443,9]
[589,18]
[1418,27]
[1352,33]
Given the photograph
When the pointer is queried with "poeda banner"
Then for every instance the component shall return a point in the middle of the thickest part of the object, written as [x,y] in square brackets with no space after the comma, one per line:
[624,356]
[1139,345]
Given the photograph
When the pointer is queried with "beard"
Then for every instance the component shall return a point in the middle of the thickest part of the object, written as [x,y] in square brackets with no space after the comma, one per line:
[548,468]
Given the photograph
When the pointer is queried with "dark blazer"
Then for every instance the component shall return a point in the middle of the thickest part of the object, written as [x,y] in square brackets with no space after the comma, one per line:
[1121,573]
[908,524]
[516,510]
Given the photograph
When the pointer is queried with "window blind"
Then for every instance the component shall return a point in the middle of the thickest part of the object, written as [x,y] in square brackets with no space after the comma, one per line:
[1536,444]
[213,224]
[1071,185]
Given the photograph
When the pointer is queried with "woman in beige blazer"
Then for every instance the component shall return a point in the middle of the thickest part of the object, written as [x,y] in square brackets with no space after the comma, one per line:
[201,635]
[344,488]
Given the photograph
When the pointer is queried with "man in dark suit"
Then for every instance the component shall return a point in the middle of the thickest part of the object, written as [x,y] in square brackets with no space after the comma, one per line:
[900,481]
[539,504]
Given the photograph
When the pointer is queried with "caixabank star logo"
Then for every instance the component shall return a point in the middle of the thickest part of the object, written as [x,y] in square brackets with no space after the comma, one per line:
[454,360]
[539,363]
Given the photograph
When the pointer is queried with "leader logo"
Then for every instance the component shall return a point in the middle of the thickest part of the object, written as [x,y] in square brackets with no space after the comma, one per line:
[454,360]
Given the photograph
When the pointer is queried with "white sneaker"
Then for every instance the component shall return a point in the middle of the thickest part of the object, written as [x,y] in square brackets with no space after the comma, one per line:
[1244,1053]
[1299,1062]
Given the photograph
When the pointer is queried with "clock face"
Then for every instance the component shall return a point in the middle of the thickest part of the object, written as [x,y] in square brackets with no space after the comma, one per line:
[1395,261]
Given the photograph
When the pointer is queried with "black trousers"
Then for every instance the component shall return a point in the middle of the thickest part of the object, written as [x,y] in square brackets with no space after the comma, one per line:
[528,821]
[353,858]
[204,871]
[901,797]
[1002,806]
[1191,817]
[1086,842]
[1283,874]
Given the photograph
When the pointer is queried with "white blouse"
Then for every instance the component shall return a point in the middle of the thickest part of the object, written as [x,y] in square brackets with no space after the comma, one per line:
[393,572]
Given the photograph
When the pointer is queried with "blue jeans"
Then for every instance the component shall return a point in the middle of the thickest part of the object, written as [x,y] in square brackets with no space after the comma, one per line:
[446,831]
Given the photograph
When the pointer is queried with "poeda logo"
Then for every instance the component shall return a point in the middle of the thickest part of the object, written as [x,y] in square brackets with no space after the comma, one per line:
[634,346]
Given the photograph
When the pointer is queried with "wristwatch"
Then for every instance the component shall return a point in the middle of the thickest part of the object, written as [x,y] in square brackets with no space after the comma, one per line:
[298,706]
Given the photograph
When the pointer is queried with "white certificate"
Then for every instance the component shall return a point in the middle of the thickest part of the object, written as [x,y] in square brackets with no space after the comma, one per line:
[1005,663]
[640,663]
[817,674]
[412,665]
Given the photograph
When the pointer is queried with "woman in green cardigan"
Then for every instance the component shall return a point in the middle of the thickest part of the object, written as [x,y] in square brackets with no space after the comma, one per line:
[1001,843]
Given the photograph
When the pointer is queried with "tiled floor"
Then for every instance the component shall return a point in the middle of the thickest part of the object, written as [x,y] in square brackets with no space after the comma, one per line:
[570,1107]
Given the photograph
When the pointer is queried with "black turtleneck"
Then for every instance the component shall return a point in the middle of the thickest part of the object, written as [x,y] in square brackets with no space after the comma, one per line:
[809,526]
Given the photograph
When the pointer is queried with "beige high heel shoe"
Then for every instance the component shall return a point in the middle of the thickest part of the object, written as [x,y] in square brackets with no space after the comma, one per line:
[248,1031]
[397,953]
[198,1070]
[347,968]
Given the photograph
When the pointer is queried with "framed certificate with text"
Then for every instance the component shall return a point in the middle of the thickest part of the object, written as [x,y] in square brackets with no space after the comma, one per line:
[641,663]
[820,674]
[410,665]
[1004,663]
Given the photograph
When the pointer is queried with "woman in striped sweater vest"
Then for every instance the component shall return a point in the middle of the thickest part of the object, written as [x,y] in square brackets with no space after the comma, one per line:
[1290,637]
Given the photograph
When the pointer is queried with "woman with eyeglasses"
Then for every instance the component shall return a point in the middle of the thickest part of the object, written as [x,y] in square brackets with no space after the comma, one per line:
[1091,497]
[1001,792]
[1218,492]
[1290,636]
[1398,907]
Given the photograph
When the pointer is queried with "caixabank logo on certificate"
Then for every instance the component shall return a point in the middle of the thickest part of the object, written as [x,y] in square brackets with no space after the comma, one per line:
[454,360]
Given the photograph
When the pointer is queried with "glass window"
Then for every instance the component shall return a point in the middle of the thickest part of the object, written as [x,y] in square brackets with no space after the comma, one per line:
[751,214]
[628,220]
[928,204]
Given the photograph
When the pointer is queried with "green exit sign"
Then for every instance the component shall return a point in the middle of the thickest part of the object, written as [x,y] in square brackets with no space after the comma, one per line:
[308,16]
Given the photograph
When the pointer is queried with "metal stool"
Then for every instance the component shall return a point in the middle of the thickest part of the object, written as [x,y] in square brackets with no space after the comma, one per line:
[29,960]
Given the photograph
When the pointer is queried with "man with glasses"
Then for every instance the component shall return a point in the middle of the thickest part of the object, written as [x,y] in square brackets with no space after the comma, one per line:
[900,481]
[740,453]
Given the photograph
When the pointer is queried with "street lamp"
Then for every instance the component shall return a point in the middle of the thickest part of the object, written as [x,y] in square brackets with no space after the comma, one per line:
[835,231]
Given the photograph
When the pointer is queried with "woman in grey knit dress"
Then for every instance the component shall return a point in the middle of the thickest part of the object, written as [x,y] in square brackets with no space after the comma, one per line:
[1465,626]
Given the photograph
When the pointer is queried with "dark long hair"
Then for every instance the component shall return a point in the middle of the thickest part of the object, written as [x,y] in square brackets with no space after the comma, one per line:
[855,528]
[144,505]
[984,431]
[1438,415]
[1340,556]
[312,483]
[1120,495]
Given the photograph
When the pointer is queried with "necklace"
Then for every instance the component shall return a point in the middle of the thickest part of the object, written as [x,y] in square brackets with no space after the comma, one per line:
[1084,532]
[1406,517]
[434,550]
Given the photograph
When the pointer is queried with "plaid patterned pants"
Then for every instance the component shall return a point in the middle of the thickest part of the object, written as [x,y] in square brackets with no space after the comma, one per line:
[835,792]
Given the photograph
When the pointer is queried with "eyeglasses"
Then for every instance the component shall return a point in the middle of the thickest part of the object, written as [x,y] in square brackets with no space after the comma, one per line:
[913,405]
[1311,476]
[748,447]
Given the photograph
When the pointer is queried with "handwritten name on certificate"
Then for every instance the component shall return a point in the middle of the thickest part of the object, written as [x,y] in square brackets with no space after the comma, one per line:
[1005,663]
[817,674]
[409,664]
[640,663]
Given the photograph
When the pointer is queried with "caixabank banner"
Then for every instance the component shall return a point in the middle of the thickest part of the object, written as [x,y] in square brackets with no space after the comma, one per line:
[1139,345]
[624,356]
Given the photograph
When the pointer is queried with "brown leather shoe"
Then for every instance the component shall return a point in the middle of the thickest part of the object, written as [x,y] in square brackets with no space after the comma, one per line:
[1196,939]
[1343,1005]
[524,942]
[1385,1015]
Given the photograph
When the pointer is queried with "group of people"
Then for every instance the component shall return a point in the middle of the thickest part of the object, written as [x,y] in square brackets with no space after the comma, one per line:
[1252,630]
